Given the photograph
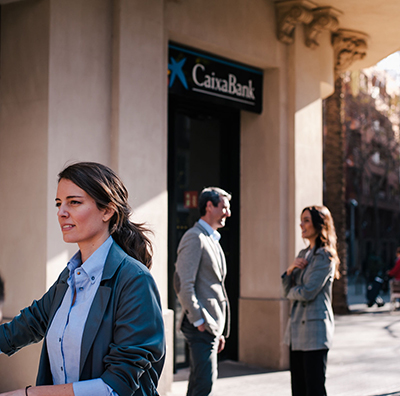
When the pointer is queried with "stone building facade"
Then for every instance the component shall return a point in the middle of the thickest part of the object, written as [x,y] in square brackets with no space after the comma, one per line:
[88,80]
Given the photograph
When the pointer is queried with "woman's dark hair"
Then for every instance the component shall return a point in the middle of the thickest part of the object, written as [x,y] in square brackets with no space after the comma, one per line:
[323,223]
[107,189]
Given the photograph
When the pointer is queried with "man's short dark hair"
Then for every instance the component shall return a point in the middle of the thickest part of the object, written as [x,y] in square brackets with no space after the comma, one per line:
[212,194]
[1,290]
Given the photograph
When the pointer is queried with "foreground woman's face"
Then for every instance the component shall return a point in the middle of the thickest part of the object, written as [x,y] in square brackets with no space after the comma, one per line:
[80,219]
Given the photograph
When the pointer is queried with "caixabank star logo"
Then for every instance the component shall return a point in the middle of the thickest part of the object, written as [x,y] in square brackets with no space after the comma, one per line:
[175,70]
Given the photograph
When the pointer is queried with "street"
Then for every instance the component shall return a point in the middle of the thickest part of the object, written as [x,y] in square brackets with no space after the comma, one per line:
[364,360]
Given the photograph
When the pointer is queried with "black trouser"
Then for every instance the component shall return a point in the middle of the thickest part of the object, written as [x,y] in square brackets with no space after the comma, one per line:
[203,348]
[307,369]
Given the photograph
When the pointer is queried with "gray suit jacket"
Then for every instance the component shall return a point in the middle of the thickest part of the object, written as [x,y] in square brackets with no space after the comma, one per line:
[199,280]
[311,322]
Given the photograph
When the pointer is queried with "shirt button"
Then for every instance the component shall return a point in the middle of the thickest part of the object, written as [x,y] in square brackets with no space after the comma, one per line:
[81,288]
[61,369]
[59,340]
[79,272]
[93,277]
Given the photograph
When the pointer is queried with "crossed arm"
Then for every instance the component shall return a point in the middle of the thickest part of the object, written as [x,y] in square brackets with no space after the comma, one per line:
[314,282]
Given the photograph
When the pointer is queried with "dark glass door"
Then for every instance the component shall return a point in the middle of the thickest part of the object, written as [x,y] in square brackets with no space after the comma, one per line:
[204,147]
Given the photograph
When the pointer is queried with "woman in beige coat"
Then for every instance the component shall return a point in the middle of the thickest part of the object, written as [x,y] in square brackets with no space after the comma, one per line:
[307,283]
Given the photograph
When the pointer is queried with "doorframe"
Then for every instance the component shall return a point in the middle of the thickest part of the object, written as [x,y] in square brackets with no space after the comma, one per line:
[230,176]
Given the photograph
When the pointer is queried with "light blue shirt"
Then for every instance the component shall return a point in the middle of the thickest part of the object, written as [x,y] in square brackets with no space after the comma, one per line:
[64,337]
[215,235]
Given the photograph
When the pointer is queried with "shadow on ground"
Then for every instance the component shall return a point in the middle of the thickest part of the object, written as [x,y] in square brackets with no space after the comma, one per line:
[227,369]
[230,368]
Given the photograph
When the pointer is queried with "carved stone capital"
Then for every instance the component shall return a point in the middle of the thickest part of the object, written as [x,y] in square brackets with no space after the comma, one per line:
[348,46]
[289,14]
[324,18]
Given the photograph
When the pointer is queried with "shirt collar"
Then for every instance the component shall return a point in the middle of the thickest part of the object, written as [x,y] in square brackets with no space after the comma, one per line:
[94,265]
[213,233]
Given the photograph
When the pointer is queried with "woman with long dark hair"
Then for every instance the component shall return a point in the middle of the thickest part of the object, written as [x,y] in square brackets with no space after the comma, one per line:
[307,283]
[101,321]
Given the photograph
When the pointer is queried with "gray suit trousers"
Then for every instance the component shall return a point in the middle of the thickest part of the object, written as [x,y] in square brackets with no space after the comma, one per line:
[203,347]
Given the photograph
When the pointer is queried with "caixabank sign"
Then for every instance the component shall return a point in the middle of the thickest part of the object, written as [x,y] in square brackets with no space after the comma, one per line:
[199,75]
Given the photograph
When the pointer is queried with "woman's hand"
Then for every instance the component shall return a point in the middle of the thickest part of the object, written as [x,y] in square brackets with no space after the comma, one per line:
[221,344]
[298,262]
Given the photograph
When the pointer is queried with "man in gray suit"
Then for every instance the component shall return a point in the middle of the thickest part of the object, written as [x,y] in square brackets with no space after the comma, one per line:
[199,283]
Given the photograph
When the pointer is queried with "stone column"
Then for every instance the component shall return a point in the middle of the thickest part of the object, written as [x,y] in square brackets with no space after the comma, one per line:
[23,170]
[281,174]
[139,131]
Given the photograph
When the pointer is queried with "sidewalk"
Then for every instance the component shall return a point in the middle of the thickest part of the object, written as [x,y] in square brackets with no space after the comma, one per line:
[364,360]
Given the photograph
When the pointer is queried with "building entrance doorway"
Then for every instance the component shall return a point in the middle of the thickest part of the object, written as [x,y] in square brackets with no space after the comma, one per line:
[203,151]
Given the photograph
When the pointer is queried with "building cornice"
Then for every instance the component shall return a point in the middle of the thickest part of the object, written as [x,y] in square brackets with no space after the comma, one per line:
[324,18]
[348,45]
[289,14]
